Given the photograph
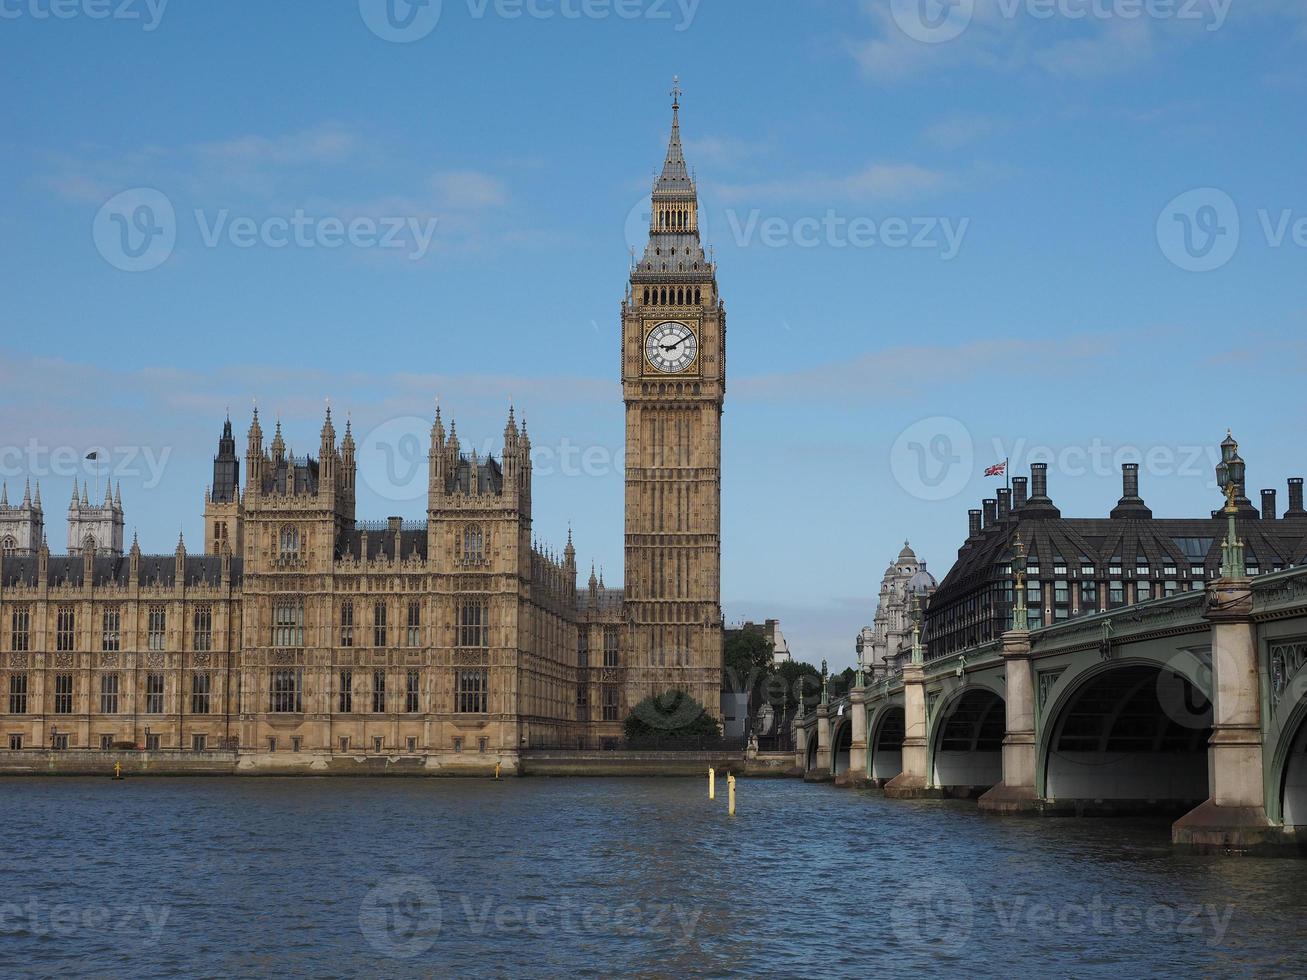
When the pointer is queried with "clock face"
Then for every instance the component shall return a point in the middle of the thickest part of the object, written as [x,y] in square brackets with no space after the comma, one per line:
[671,347]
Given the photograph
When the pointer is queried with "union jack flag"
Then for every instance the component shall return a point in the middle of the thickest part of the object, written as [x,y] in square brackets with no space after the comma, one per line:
[998,469]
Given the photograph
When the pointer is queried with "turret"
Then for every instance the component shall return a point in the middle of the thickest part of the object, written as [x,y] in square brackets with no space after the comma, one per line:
[327,455]
[254,456]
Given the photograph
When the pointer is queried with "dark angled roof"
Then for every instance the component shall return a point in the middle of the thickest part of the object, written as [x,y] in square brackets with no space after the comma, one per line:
[108,570]
[490,477]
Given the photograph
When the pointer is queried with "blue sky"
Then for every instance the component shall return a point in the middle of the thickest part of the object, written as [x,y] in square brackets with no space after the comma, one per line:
[939,246]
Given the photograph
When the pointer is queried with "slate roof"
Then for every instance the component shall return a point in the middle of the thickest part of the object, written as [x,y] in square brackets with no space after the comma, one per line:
[110,570]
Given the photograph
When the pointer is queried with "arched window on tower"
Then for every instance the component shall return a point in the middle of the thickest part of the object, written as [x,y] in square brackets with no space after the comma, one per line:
[8,546]
[697,294]
[474,543]
[289,542]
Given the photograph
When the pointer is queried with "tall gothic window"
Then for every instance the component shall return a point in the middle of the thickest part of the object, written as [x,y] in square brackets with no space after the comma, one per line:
[109,694]
[474,543]
[347,623]
[18,694]
[158,624]
[412,687]
[154,694]
[379,624]
[471,696]
[288,623]
[20,636]
[414,637]
[201,692]
[111,637]
[65,628]
[9,545]
[289,542]
[378,691]
[610,702]
[286,691]
[583,647]
[473,623]
[610,647]
[203,629]
[63,694]
[346,693]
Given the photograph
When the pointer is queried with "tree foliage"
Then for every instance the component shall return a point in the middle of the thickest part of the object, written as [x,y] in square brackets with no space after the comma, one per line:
[669,717]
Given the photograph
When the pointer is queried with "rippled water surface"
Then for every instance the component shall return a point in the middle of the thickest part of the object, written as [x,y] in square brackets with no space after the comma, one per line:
[599,877]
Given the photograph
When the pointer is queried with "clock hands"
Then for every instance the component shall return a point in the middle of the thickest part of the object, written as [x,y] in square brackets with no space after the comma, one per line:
[674,345]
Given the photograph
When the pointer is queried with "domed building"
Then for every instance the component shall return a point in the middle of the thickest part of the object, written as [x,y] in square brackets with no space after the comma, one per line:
[887,642]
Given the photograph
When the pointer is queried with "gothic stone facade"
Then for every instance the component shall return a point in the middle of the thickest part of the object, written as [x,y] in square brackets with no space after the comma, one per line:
[306,637]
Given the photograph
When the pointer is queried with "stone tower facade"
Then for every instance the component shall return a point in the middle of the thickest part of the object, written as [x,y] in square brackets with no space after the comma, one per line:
[22,527]
[101,528]
[223,507]
[674,384]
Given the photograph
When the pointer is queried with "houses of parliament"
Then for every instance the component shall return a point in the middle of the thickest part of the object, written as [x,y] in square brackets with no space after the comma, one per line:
[453,642]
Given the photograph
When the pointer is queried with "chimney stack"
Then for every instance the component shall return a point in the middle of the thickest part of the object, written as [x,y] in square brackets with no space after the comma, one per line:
[973,524]
[1131,505]
[1268,505]
[1039,480]
[1129,479]
[1295,497]
[1019,492]
[990,511]
[1004,503]
[1039,505]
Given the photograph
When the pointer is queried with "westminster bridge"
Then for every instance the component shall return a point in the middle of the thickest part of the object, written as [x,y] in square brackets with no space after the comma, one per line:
[1195,703]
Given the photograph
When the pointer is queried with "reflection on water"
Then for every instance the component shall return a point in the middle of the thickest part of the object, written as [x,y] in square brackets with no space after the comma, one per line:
[597,877]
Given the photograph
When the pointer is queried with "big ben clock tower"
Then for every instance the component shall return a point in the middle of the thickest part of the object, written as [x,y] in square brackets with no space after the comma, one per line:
[674,383]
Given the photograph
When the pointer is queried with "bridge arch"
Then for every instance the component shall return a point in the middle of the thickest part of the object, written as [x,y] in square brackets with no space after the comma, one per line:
[885,743]
[841,743]
[966,748]
[1288,802]
[810,762]
[1129,734]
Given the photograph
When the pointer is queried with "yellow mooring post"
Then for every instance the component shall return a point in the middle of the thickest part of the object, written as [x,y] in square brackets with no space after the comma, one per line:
[712,784]
[730,794]
[497,770]
[117,770]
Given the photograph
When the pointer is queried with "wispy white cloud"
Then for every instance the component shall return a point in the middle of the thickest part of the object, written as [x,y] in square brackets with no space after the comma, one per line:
[912,370]
[872,184]
[325,143]
[469,189]
[955,131]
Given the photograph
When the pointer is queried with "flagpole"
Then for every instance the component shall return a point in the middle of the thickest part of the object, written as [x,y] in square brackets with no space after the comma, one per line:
[1007,471]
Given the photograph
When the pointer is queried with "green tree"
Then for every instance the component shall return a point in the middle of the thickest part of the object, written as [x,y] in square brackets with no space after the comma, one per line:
[791,682]
[672,716]
[747,659]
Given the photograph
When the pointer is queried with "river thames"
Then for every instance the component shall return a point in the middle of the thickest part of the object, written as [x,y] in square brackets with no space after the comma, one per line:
[602,877]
